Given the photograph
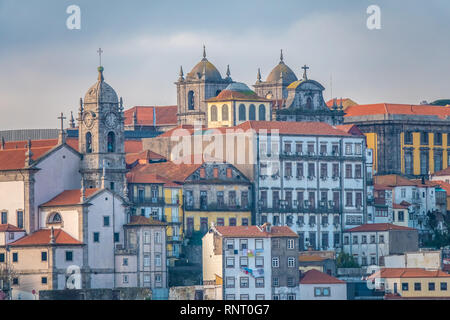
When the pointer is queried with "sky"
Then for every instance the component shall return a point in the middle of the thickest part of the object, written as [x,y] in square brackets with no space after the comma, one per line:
[45,68]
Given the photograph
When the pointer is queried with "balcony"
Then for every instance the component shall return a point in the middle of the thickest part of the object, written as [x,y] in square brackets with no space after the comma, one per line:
[149,201]
[216,207]
[174,239]
[301,209]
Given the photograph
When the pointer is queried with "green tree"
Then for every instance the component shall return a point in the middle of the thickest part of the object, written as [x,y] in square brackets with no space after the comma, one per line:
[344,260]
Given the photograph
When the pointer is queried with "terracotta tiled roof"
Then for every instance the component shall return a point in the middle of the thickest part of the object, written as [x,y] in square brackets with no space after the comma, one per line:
[400,206]
[170,171]
[69,197]
[445,172]
[42,237]
[294,128]
[409,273]
[143,157]
[393,180]
[143,221]
[378,227]
[314,276]
[254,232]
[381,187]
[350,128]
[14,159]
[152,115]
[313,258]
[404,109]
[9,228]
[143,177]
[346,102]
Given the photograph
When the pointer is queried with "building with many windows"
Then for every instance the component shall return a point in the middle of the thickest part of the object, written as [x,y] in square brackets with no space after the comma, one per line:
[255,262]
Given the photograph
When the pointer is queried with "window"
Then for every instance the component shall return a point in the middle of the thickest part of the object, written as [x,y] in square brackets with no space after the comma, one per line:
[146,260]
[358,149]
[424,138]
[348,148]
[44,280]
[405,286]
[245,221]
[4,218]
[259,244]
[325,292]
[349,199]
[243,282]
[241,112]
[69,255]
[323,170]
[358,199]
[431,286]
[438,138]
[43,256]
[225,112]
[364,239]
[125,262]
[125,279]
[262,112]
[2,257]
[244,297]
[348,171]
[417,286]
[230,282]
[409,162]
[259,283]
[147,237]
[243,261]
[259,262]
[408,137]
[275,262]
[96,237]
[276,243]
[291,262]
[401,216]
[230,262]
[220,222]
[276,297]
[260,297]
[291,244]
[111,142]
[15,257]
[275,281]
[88,142]
[311,170]
[291,297]
[216,172]
[355,239]
[381,239]
[252,112]
[116,236]
[213,115]
[358,171]
[158,277]
[15,281]
[443,286]
[191,100]
[157,237]
[20,219]
[230,244]
[158,260]
[106,221]
[146,278]
[230,297]
[232,222]
[424,165]
[290,282]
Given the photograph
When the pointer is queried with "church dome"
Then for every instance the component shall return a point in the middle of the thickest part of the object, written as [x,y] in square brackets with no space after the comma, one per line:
[101,92]
[204,66]
[288,75]
[237,91]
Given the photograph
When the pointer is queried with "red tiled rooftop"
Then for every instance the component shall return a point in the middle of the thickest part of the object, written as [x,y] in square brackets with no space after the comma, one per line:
[42,237]
[9,228]
[144,156]
[403,109]
[314,276]
[69,197]
[378,227]
[445,172]
[255,232]
[152,115]
[14,159]
[409,273]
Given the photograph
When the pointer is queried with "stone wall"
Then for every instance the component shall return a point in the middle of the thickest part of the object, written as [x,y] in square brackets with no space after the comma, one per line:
[97,294]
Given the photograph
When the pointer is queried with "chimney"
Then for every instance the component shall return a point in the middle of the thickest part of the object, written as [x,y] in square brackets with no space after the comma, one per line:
[28,154]
[267,227]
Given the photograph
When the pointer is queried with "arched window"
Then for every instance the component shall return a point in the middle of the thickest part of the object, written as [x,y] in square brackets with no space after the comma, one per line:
[111,142]
[225,112]
[191,100]
[54,218]
[241,112]
[252,112]
[262,112]
[88,142]
[309,104]
[213,113]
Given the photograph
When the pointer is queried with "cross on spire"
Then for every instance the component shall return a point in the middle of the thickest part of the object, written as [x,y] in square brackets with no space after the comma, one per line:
[204,52]
[305,68]
[281,56]
[62,118]
[100,51]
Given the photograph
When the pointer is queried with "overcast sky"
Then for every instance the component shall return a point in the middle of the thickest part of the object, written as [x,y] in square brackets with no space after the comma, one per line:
[45,68]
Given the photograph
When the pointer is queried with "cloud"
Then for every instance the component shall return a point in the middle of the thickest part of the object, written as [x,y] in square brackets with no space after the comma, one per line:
[395,64]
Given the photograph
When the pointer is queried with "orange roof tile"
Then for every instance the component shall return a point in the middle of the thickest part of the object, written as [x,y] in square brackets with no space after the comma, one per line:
[409,273]
[9,228]
[378,227]
[350,128]
[152,115]
[69,197]
[404,109]
[314,276]
[42,237]
[313,258]
[255,232]
[294,128]
[14,159]
[445,172]
[143,157]
[140,220]
[231,95]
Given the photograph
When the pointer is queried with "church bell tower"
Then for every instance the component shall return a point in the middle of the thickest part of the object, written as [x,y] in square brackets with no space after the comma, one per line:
[101,138]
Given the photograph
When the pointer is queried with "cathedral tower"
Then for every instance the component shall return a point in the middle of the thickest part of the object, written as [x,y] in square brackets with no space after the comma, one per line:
[101,138]
[203,82]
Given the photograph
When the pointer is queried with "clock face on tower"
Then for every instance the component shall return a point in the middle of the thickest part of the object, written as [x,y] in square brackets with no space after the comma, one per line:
[88,119]
[111,120]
